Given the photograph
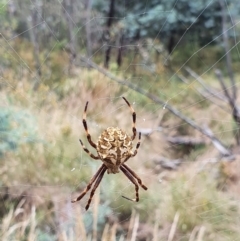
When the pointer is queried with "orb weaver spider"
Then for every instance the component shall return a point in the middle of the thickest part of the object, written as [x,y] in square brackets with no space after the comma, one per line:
[114,148]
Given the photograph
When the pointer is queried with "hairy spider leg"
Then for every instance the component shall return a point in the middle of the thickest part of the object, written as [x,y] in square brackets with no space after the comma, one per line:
[134,119]
[99,179]
[135,152]
[88,152]
[135,175]
[138,145]
[131,178]
[98,173]
[86,128]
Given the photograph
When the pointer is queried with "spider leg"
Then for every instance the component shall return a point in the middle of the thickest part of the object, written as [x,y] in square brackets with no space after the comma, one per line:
[82,194]
[86,128]
[135,175]
[88,152]
[138,145]
[134,119]
[131,178]
[99,179]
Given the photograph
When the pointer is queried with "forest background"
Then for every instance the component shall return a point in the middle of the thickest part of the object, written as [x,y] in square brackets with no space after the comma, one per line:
[176,61]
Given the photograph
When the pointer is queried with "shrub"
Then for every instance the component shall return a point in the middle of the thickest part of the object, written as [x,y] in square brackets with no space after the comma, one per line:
[16,128]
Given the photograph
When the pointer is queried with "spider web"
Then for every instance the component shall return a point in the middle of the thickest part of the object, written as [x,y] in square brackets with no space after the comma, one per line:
[192,189]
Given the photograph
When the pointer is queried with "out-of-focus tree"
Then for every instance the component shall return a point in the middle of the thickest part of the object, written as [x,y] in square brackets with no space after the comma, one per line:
[88,7]
[110,17]
[172,22]
[68,11]
[89,24]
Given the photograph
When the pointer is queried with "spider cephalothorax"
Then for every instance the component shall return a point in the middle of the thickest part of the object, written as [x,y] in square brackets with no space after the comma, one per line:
[114,148]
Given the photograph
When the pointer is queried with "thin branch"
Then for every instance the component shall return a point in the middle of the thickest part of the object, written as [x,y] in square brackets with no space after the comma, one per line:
[223,150]
[206,87]
[231,101]
[216,142]
[182,78]
[167,163]
[227,49]
[233,105]
[207,96]
[209,92]
[185,140]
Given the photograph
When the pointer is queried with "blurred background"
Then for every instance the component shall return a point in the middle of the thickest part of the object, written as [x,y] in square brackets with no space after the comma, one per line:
[176,62]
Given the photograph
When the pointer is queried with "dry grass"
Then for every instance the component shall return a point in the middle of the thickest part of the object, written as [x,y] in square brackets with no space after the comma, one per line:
[182,205]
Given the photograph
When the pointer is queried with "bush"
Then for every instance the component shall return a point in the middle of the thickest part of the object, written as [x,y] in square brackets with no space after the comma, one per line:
[16,128]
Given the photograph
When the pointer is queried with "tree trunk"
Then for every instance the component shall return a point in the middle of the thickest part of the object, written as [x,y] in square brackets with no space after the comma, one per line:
[171,43]
[232,97]
[88,28]
[120,48]
[107,34]
[68,13]
[32,21]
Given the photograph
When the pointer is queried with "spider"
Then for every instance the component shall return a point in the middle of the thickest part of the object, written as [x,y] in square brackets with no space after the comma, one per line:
[114,148]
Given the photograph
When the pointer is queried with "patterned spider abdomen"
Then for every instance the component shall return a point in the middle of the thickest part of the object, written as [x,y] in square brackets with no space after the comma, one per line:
[114,148]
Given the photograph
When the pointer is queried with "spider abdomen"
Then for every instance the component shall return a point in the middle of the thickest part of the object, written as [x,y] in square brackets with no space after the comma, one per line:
[114,147]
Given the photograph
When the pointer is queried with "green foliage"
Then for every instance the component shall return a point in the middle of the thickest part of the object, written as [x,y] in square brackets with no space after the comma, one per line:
[174,20]
[44,236]
[3,8]
[16,127]
[170,20]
